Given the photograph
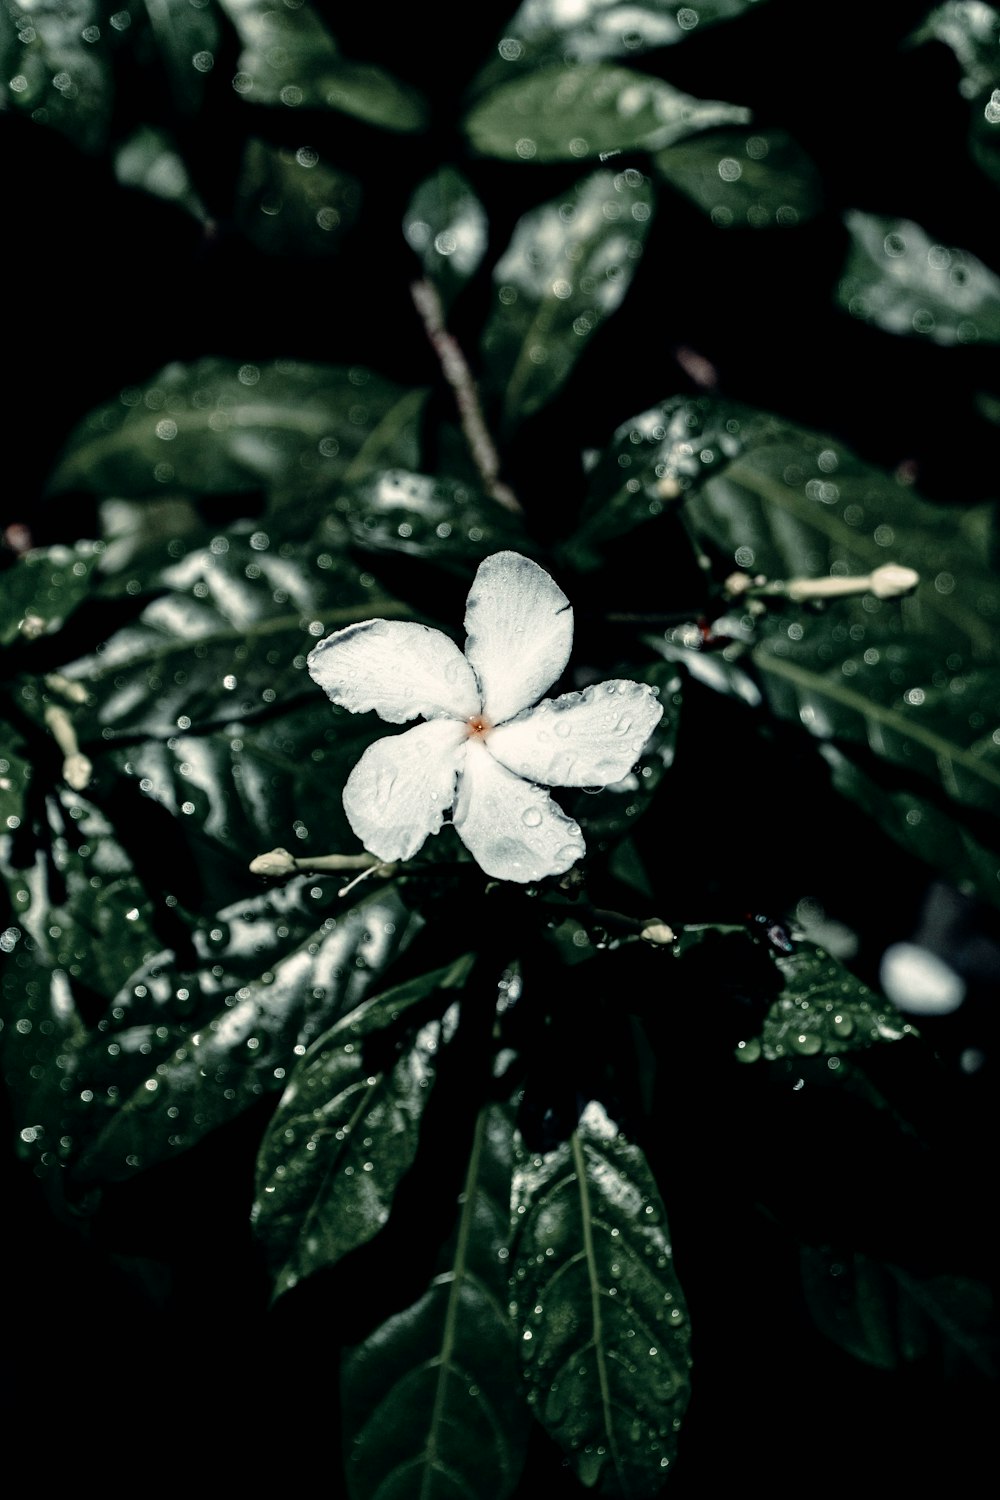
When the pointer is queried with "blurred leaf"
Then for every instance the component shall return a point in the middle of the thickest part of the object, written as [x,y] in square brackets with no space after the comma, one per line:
[605,1349]
[290,58]
[346,1132]
[432,1399]
[822,1009]
[568,113]
[184,1052]
[440,519]
[652,460]
[218,426]
[149,160]
[972,30]
[888,1317]
[42,588]
[186,36]
[55,67]
[899,279]
[928,831]
[742,177]
[15,774]
[292,203]
[545,31]
[567,268]
[445,224]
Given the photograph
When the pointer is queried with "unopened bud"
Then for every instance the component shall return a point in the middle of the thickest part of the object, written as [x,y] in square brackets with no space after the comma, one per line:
[887,582]
[275,863]
[77,771]
[892,580]
[658,932]
[31,627]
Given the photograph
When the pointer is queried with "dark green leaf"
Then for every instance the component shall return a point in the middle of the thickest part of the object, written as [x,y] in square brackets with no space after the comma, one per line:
[897,277]
[888,1317]
[15,774]
[441,519]
[445,224]
[292,203]
[652,460]
[972,31]
[568,267]
[150,161]
[605,1344]
[345,1133]
[43,587]
[186,1051]
[432,1399]
[745,178]
[186,37]
[290,58]
[570,113]
[822,1009]
[218,426]
[55,67]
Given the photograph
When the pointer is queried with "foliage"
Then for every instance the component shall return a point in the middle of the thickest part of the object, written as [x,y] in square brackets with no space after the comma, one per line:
[529,1165]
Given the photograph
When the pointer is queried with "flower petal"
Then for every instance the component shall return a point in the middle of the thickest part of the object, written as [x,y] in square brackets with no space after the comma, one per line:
[520,627]
[401,788]
[513,829]
[581,739]
[399,669]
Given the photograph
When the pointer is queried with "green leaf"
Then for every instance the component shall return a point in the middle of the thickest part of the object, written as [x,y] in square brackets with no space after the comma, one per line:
[150,161]
[652,460]
[346,1132]
[292,203]
[972,31]
[888,1317]
[186,37]
[432,1399]
[823,1009]
[570,113]
[898,278]
[605,1344]
[740,177]
[15,775]
[445,224]
[567,268]
[186,1051]
[290,58]
[55,67]
[441,519]
[42,588]
[217,426]
[923,827]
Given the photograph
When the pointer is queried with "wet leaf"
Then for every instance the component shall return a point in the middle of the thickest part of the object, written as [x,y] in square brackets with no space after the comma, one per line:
[441,519]
[15,774]
[150,161]
[186,1051]
[740,178]
[290,58]
[888,1317]
[972,31]
[346,1132]
[217,426]
[42,588]
[445,225]
[292,203]
[567,268]
[898,278]
[652,461]
[605,1342]
[55,67]
[432,1398]
[823,1010]
[186,38]
[572,113]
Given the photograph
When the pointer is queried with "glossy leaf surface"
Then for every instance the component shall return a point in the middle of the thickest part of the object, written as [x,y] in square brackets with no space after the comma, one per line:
[605,1345]
[757,179]
[566,270]
[433,1399]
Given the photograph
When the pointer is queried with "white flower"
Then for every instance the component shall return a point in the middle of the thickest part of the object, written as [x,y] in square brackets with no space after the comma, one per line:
[483,747]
